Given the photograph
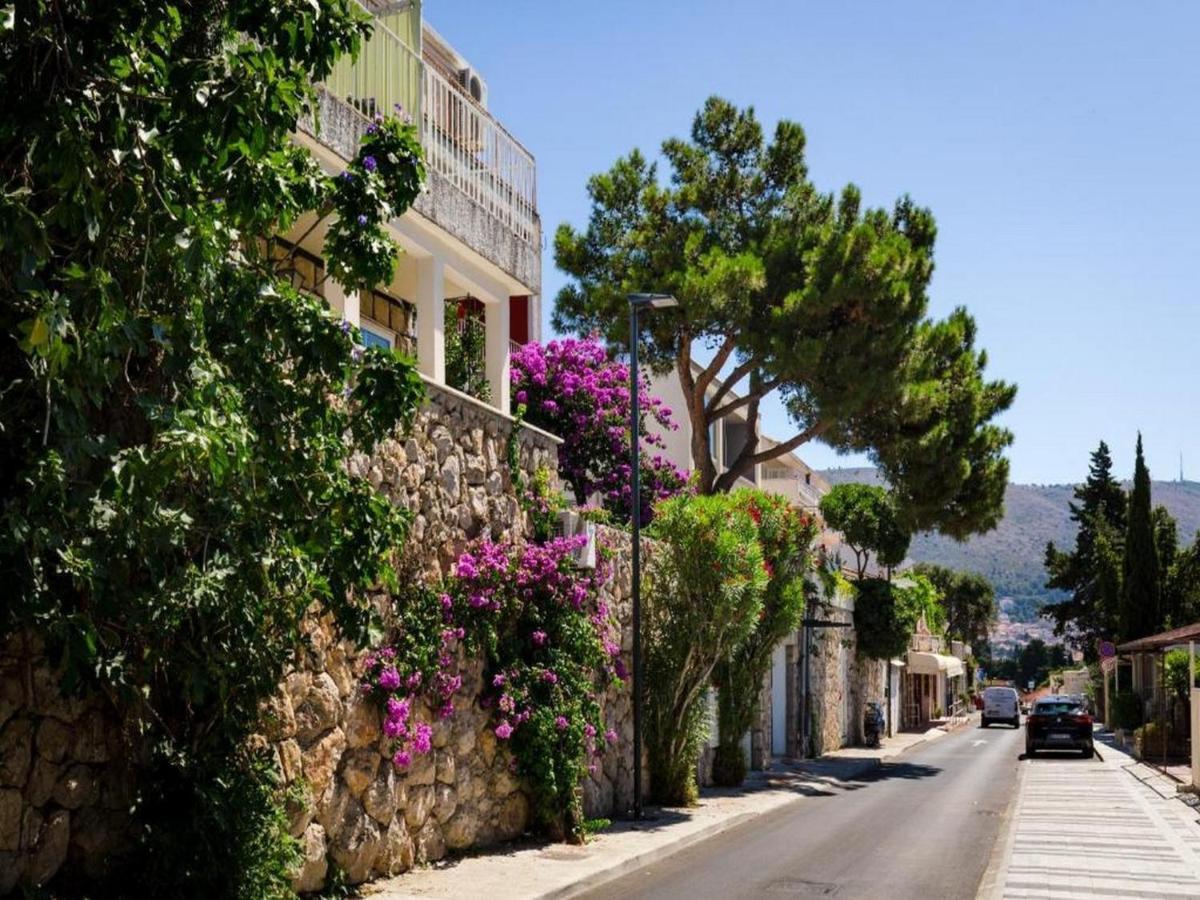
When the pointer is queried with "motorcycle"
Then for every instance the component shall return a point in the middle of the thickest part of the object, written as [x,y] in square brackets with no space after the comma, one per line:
[873,724]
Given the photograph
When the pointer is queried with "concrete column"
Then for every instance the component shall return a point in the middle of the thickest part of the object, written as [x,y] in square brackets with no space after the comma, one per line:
[343,303]
[496,361]
[431,318]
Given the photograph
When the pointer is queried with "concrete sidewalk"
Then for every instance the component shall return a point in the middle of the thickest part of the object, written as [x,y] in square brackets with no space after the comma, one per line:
[527,869]
[1094,828]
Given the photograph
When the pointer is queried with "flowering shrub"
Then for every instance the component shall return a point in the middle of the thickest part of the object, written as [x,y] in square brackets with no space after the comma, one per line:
[705,593]
[573,389]
[785,536]
[552,648]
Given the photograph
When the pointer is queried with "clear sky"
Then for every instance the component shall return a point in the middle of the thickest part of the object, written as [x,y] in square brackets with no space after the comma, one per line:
[1058,145]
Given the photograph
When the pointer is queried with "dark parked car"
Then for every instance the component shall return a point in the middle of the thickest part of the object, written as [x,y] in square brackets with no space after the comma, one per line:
[1059,722]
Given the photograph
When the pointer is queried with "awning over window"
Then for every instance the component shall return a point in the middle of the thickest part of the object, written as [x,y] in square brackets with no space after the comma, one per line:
[920,663]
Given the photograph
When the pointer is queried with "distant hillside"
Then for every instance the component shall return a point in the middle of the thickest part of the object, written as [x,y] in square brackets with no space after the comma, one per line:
[1011,555]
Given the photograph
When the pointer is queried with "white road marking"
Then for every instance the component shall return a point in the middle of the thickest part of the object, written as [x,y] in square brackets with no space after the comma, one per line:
[978,742]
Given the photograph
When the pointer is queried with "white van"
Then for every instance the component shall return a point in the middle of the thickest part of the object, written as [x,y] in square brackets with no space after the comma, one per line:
[1001,704]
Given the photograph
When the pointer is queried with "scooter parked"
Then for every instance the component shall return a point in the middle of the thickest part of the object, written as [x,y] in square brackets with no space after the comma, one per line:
[873,724]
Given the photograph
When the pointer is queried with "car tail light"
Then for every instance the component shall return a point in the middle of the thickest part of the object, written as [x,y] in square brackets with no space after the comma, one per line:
[1032,719]
[1083,717]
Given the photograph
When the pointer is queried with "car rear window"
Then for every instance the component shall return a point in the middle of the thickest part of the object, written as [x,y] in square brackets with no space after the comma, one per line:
[999,693]
[1055,707]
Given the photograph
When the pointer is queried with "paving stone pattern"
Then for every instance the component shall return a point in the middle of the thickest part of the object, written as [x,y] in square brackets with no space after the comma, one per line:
[1091,828]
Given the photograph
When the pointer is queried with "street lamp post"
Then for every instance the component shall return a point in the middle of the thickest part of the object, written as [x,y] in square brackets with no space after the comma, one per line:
[638,302]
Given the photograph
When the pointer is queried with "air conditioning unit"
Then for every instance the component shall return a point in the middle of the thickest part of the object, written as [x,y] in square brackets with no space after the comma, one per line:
[472,82]
[571,524]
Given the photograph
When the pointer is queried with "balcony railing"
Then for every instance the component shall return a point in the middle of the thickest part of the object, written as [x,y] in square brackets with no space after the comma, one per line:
[475,153]
[462,142]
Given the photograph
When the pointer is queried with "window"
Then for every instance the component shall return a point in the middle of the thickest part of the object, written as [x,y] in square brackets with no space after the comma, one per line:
[375,339]
[306,270]
[387,321]
[735,440]
[1056,707]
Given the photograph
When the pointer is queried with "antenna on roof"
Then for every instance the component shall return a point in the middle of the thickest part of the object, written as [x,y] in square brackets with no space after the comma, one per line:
[1181,467]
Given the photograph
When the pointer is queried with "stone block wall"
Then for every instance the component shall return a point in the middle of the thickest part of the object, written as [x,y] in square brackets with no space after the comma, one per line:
[353,809]
[65,781]
[65,788]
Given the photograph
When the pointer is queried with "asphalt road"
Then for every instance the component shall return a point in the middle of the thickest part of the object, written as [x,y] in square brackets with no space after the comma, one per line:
[920,826]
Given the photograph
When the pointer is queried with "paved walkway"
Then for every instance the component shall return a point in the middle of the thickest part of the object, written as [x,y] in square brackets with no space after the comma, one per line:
[1096,828]
[536,869]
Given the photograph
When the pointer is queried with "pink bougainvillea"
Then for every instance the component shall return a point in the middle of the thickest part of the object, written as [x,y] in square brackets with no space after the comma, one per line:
[575,390]
[551,647]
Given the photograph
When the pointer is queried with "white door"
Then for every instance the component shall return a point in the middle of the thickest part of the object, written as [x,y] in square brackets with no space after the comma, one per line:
[779,701]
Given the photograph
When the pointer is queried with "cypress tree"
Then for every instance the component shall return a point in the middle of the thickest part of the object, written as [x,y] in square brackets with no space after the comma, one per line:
[1091,573]
[1140,614]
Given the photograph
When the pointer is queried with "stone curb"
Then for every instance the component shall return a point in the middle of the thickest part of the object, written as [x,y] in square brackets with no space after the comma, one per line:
[649,857]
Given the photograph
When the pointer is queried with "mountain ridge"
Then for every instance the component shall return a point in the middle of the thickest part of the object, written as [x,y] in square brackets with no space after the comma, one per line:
[1011,554]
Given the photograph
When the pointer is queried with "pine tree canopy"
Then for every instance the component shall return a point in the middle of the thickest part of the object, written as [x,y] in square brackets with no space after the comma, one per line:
[806,294]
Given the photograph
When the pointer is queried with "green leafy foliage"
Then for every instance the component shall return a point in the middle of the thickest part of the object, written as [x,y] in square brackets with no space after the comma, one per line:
[1092,571]
[886,613]
[785,536]
[176,419]
[1141,590]
[1175,674]
[1127,710]
[705,591]
[869,521]
[466,346]
[968,602]
[802,293]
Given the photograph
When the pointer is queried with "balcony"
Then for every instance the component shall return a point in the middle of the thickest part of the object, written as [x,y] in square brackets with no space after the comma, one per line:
[481,185]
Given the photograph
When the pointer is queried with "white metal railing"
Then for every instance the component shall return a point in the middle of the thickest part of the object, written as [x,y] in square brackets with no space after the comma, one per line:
[462,142]
[471,150]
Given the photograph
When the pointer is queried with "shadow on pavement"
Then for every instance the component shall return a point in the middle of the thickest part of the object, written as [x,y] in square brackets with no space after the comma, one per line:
[888,771]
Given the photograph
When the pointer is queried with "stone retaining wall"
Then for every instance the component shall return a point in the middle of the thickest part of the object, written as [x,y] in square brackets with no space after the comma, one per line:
[355,811]
[65,789]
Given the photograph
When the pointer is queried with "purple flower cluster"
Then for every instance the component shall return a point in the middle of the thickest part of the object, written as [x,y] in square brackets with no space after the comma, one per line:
[574,389]
[382,676]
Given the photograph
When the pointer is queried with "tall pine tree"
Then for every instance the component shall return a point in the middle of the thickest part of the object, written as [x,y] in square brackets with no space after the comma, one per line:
[1140,592]
[1092,571]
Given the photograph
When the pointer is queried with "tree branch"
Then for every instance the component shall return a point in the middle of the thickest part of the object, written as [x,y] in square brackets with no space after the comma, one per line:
[733,405]
[734,377]
[713,368]
[745,461]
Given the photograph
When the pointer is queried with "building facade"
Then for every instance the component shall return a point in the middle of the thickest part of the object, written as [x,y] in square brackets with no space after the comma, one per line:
[471,261]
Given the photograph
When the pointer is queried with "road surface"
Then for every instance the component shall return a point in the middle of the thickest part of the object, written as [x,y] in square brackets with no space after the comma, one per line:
[921,826]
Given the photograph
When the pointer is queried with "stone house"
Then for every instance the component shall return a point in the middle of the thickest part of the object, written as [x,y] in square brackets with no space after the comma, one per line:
[935,678]
[472,249]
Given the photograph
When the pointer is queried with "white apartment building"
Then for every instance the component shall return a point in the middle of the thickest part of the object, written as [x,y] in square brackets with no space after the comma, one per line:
[472,240]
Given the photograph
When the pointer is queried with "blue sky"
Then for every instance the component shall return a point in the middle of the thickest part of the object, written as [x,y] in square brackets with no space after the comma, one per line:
[1057,144]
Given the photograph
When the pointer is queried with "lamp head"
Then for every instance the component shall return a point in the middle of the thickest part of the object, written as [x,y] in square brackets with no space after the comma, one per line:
[652,301]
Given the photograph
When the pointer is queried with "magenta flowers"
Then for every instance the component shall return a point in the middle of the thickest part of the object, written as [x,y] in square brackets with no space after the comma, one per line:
[575,390]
